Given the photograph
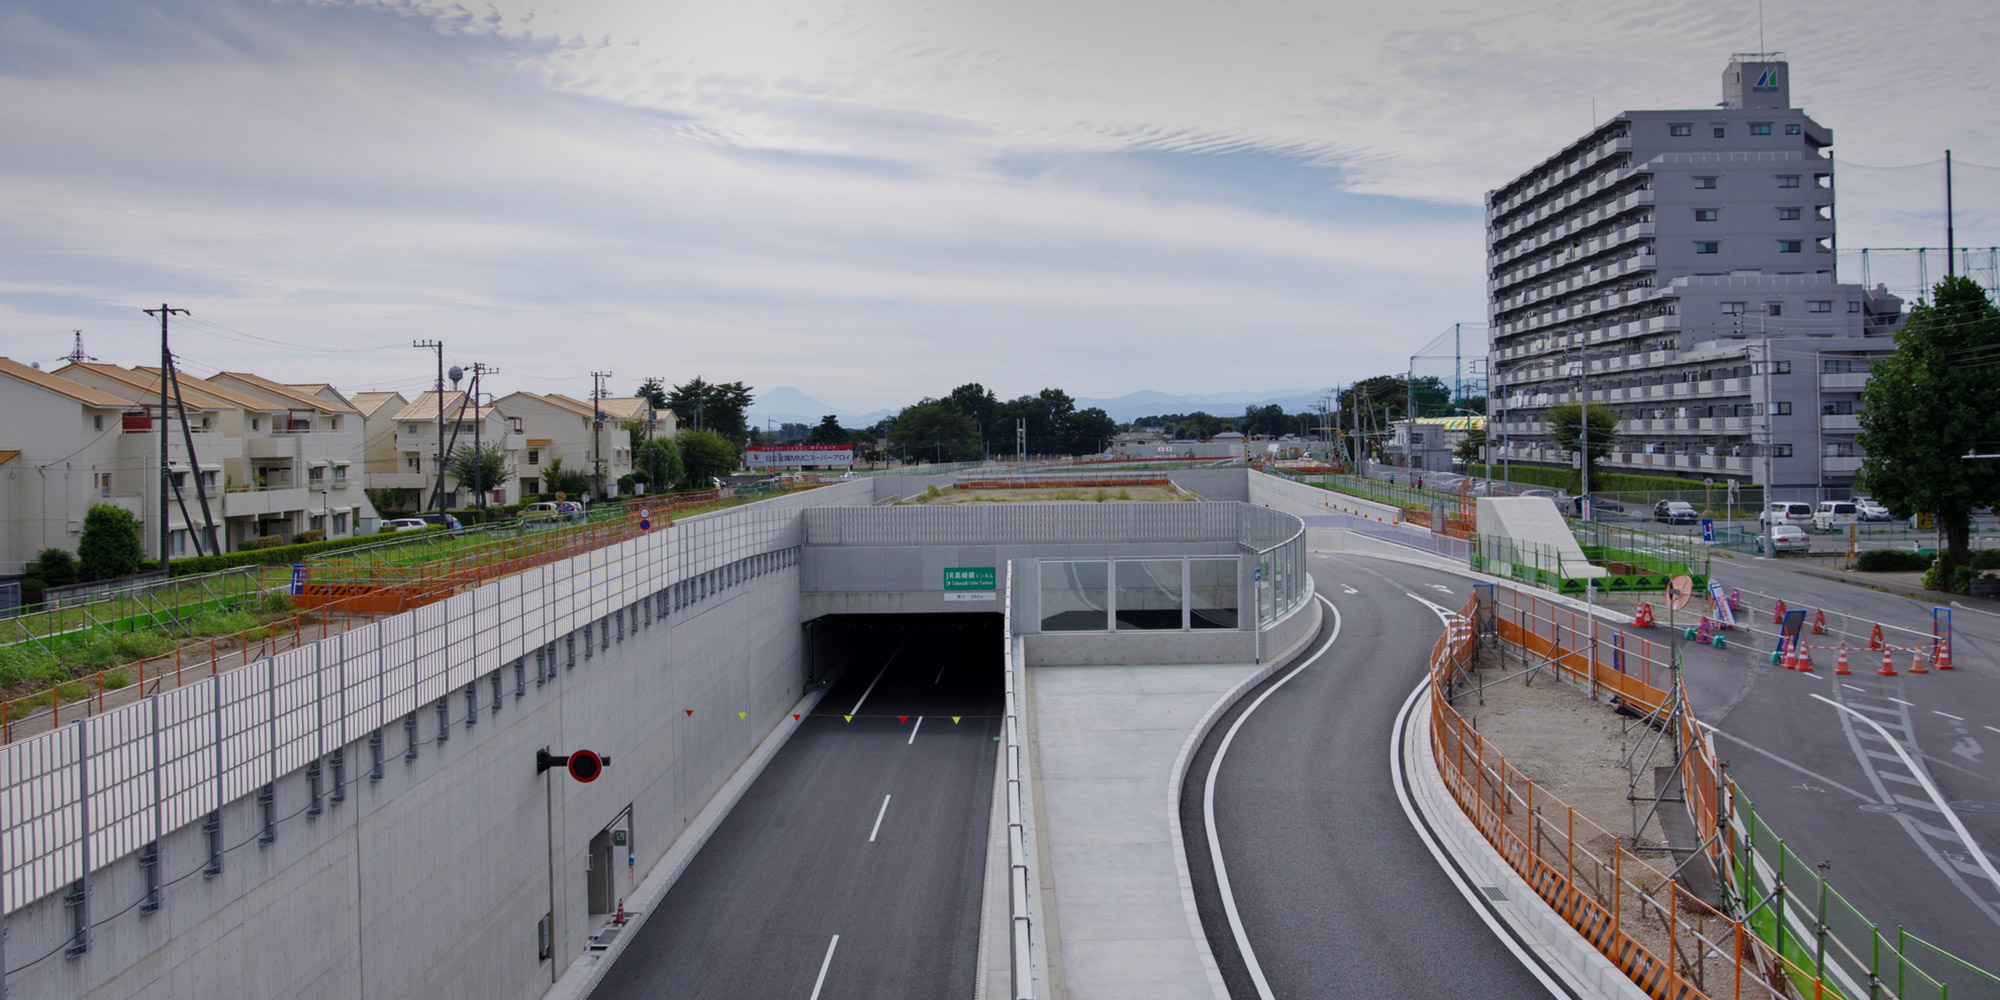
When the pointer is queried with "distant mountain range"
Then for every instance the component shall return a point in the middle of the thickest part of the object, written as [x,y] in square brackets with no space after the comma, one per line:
[786,404]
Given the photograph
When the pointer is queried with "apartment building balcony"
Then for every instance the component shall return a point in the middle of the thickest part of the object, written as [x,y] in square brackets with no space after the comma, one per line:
[1843,380]
[1839,422]
[1838,465]
[275,446]
[261,502]
[1584,160]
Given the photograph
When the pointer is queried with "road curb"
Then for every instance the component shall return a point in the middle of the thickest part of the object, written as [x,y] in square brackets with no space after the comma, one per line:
[588,969]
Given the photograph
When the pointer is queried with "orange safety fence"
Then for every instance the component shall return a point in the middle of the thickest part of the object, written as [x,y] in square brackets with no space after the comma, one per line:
[1038,484]
[1670,942]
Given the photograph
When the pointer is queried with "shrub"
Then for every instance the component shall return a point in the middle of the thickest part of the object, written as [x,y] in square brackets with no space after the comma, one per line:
[54,567]
[274,603]
[1985,559]
[117,679]
[32,591]
[1101,495]
[1892,561]
[110,544]
[72,691]
[315,535]
[1961,579]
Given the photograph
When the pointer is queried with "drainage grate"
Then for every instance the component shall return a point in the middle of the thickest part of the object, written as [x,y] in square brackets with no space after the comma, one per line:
[1977,807]
[1878,807]
[1494,893]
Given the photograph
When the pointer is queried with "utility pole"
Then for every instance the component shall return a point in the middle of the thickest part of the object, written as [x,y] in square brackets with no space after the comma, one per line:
[1583,389]
[1950,254]
[652,459]
[166,475]
[437,346]
[1020,440]
[597,427]
[478,420]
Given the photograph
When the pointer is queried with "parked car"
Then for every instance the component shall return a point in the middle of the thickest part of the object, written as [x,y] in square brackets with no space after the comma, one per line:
[1835,514]
[1869,510]
[441,520]
[404,524]
[1784,512]
[1786,538]
[1598,505]
[1675,512]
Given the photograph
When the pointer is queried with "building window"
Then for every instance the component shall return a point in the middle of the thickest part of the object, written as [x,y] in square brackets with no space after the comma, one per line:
[104,485]
[340,523]
[1789,246]
[1781,451]
[1704,215]
[1788,215]
[1681,131]
[1840,407]
[414,462]
[1774,309]
[1837,365]
[1734,308]
[1720,132]
[1707,246]
[1788,180]
[534,456]
[1853,307]
[1782,368]
[514,424]
[316,522]
[1708,183]
[1820,306]
[1760,128]
[97,422]
[256,423]
[340,475]
[1791,128]
[208,479]
[316,475]
[177,542]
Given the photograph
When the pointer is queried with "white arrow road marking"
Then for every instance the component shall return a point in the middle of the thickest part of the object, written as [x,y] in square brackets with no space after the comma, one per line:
[1440,586]
[1349,589]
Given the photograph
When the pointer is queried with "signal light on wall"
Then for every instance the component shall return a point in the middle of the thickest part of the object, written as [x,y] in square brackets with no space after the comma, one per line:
[584,765]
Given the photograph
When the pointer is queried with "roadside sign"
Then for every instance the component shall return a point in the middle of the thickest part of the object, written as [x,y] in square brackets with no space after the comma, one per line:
[645,512]
[1708,530]
[1680,590]
[1721,598]
[971,583]
[298,579]
[1795,619]
[645,524]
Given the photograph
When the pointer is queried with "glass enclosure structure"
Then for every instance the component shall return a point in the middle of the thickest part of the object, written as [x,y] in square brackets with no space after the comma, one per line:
[1181,593]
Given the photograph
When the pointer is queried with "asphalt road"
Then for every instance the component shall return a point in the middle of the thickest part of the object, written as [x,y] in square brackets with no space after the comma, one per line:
[1823,780]
[872,830]
[1337,894]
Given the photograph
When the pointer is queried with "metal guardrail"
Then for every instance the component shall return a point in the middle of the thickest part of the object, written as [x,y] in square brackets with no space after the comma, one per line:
[1022,524]
[1020,894]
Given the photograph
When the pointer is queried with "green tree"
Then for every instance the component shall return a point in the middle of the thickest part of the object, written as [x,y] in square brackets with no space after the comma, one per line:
[659,464]
[717,406]
[1267,419]
[1089,430]
[571,483]
[110,546]
[655,394]
[1929,405]
[705,456]
[1563,423]
[54,567]
[1468,450]
[935,431]
[829,431]
[480,470]
[979,403]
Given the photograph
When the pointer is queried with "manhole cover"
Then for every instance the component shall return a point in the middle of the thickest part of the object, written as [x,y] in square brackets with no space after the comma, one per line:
[1977,807]
[1878,807]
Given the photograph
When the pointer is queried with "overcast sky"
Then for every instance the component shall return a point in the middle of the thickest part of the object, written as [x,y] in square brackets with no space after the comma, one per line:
[871,201]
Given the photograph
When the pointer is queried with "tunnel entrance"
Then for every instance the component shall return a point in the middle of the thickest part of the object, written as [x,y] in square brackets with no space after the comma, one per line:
[963,648]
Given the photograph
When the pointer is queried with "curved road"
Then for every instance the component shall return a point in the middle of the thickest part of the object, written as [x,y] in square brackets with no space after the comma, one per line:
[1337,893]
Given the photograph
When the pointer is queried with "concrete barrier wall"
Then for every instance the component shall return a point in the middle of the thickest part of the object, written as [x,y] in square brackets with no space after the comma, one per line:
[430,880]
[1213,484]
[1302,500]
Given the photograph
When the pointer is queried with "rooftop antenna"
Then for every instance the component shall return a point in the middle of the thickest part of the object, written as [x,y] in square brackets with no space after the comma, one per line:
[1760,27]
[76,355]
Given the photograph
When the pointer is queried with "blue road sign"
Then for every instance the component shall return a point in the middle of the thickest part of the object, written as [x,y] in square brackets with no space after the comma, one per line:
[1708,530]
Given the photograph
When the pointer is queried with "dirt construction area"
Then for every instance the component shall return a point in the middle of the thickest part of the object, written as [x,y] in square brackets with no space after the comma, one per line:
[1085,494]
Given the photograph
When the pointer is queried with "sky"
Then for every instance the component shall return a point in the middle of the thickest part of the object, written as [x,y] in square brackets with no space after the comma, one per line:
[871,201]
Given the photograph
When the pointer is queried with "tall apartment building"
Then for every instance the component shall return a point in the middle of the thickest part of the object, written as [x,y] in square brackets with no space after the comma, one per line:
[1680,264]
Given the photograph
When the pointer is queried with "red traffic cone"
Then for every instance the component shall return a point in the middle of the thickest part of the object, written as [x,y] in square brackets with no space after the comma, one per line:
[1840,665]
[1944,653]
[1875,637]
[1778,612]
[1819,622]
[1888,666]
[1917,663]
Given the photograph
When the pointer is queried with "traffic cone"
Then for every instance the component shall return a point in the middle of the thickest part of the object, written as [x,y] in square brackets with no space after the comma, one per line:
[1917,663]
[1840,665]
[1888,666]
[1944,653]
[1875,637]
[1644,619]
[1805,659]
[1778,612]
[1790,657]
[1819,622]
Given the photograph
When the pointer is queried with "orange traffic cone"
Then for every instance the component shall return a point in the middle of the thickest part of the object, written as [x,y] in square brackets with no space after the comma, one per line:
[1778,612]
[1819,622]
[1644,619]
[1790,661]
[1805,658]
[1888,666]
[1875,637]
[1944,653]
[1840,665]
[1917,663]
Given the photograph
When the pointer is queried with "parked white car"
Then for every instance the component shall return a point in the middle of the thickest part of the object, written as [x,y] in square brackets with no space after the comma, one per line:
[1869,510]
[1832,515]
[1786,538]
[1783,512]
[404,524]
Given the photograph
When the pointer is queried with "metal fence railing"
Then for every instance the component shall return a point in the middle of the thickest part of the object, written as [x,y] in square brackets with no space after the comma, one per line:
[1021,897]
[1010,524]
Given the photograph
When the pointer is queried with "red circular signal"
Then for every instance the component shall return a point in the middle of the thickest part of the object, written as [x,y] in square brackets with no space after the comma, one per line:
[585,766]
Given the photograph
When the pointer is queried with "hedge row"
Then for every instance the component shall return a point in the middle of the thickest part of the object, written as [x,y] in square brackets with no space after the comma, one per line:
[1553,477]
[276,556]
[1892,561]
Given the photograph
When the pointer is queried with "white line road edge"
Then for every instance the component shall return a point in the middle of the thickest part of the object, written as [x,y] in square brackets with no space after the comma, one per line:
[823,964]
[1437,853]
[913,731]
[856,710]
[879,813]
[1923,777]
[1208,814]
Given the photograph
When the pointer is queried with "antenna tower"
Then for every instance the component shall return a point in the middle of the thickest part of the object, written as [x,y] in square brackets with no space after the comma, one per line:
[76,355]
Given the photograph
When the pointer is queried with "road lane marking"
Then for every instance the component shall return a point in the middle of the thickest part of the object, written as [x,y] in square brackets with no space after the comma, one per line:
[1990,727]
[856,710]
[1971,846]
[940,675]
[1250,964]
[1905,704]
[1851,687]
[1948,715]
[879,813]
[913,730]
[828,960]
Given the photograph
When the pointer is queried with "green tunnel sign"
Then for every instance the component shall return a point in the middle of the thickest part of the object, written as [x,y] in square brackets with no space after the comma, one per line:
[970,583]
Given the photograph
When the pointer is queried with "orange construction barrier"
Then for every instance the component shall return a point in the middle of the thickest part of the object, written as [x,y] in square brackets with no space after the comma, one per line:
[1778,612]
[1917,663]
[1819,622]
[1875,637]
[1888,666]
[1944,653]
[1840,665]
[1644,619]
